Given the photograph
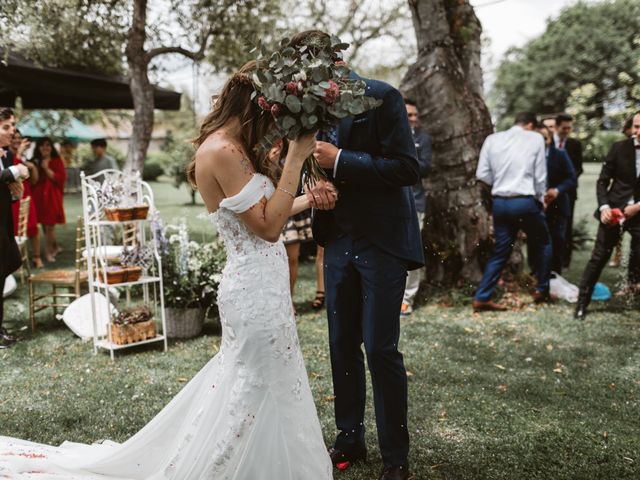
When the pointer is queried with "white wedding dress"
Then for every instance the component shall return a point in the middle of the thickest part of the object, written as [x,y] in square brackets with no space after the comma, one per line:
[247,415]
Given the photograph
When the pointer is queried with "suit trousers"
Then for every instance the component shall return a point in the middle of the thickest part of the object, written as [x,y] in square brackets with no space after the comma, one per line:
[568,246]
[606,240]
[364,289]
[510,215]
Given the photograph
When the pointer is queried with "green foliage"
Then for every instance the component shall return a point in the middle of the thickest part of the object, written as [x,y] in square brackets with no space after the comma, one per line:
[599,145]
[589,43]
[191,271]
[151,171]
[305,90]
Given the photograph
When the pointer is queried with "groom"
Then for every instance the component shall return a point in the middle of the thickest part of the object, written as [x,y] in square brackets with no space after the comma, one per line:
[371,239]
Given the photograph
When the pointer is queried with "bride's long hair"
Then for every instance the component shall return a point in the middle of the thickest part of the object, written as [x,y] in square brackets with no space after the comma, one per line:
[235,102]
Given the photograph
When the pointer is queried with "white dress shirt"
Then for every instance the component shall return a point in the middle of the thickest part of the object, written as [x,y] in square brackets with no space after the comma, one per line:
[557,142]
[514,163]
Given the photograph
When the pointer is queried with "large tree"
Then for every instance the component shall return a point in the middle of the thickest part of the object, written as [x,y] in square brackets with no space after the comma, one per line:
[588,43]
[129,36]
[446,82]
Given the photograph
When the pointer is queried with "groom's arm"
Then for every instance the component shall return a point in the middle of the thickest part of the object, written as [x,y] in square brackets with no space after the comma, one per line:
[397,166]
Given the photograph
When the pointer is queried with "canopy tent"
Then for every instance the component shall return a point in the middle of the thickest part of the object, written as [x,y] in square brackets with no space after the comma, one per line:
[57,88]
[35,126]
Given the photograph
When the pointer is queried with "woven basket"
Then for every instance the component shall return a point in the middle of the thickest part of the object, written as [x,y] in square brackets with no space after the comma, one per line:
[132,332]
[140,212]
[184,322]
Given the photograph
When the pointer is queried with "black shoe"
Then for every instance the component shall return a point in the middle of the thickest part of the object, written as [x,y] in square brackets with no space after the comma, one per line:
[581,311]
[4,335]
[342,460]
[395,473]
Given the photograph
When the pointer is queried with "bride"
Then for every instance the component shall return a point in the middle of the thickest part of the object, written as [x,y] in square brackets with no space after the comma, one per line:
[249,413]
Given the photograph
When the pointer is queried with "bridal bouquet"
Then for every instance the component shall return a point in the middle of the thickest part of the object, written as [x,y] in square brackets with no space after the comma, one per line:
[306,90]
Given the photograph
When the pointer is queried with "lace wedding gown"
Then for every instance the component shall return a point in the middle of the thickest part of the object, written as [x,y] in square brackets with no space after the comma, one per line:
[247,415]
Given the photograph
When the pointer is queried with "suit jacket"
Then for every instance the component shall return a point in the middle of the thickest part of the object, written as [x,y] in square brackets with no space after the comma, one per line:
[376,169]
[618,183]
[9,254]
[561,175]
[573,148]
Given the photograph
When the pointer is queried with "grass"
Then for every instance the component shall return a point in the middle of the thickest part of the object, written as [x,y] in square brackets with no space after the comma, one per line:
[527,394]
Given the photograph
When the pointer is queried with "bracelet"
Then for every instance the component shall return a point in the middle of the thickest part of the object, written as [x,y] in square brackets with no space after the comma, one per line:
[287,192]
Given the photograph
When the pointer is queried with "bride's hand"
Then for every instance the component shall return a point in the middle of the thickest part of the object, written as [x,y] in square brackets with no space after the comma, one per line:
[302,148]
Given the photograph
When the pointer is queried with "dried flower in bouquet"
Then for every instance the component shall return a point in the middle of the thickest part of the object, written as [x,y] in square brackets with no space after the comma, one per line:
[307,90]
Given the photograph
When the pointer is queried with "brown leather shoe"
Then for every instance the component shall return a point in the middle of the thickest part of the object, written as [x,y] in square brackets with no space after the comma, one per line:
[395,473]
[542,297]
[487,306]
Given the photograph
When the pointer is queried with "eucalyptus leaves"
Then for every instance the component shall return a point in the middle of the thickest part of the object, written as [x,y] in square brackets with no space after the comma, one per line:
[307,89]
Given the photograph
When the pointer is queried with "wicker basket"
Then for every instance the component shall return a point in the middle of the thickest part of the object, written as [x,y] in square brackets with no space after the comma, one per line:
[132,332]
[121,274]
[140,212]
[184,322]
[121,214]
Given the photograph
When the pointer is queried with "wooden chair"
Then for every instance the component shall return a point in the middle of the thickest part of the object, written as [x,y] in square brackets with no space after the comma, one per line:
[21,238]
[70,280]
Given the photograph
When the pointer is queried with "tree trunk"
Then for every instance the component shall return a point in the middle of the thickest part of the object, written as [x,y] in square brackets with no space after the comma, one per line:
[141,89]
[446,82]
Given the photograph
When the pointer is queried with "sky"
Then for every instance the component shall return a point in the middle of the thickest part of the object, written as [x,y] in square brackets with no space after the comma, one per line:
[507,23]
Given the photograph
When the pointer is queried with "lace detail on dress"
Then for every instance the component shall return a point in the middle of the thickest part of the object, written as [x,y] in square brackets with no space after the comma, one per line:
[238,239]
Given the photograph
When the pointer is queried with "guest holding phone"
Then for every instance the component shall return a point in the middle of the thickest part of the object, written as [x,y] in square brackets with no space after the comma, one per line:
[18,146]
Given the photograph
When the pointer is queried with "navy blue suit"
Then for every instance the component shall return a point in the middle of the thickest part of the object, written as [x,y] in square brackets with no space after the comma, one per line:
[561,174]
[371,239]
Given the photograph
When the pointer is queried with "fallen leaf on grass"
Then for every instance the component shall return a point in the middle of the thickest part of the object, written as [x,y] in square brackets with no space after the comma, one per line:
[183,379]
[329,398]
[500,367]
[501,388]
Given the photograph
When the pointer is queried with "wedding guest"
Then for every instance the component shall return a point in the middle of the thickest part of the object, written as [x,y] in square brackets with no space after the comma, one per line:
[573,147]
[18,146]
[618,187]
[48,194]
[318,302]
[561,178]
[296,231]
[11,178]
[513,163]
[627,131]
[101,160]
[550,123]
[423,147]
[67,152]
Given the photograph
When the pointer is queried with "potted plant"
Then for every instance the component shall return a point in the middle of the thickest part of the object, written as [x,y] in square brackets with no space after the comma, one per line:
[191,273]
[133,325]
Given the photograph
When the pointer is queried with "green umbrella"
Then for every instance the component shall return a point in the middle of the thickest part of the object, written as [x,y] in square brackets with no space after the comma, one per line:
[37,125]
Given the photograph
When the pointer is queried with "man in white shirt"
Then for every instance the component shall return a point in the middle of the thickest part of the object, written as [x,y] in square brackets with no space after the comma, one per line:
[513,163]
[618,187]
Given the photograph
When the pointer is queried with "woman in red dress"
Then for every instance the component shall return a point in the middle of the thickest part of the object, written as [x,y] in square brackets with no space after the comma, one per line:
[48,194]
[18,146]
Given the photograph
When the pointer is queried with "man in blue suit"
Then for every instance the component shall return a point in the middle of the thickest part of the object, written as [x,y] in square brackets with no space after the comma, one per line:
[371,239]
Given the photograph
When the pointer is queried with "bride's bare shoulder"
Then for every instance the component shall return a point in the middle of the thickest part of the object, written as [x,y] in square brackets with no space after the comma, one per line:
[218,153]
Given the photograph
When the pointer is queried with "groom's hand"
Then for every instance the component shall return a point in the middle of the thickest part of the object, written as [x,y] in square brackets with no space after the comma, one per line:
[326,154]
[322,195]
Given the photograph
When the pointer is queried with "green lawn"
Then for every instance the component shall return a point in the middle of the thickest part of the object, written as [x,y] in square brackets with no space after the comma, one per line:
[528,394]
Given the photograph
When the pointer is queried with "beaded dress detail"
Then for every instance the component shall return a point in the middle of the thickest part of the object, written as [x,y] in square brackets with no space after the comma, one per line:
[247,415]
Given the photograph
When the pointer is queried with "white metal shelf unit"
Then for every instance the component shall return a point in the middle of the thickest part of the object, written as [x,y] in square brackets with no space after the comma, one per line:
[97,259]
